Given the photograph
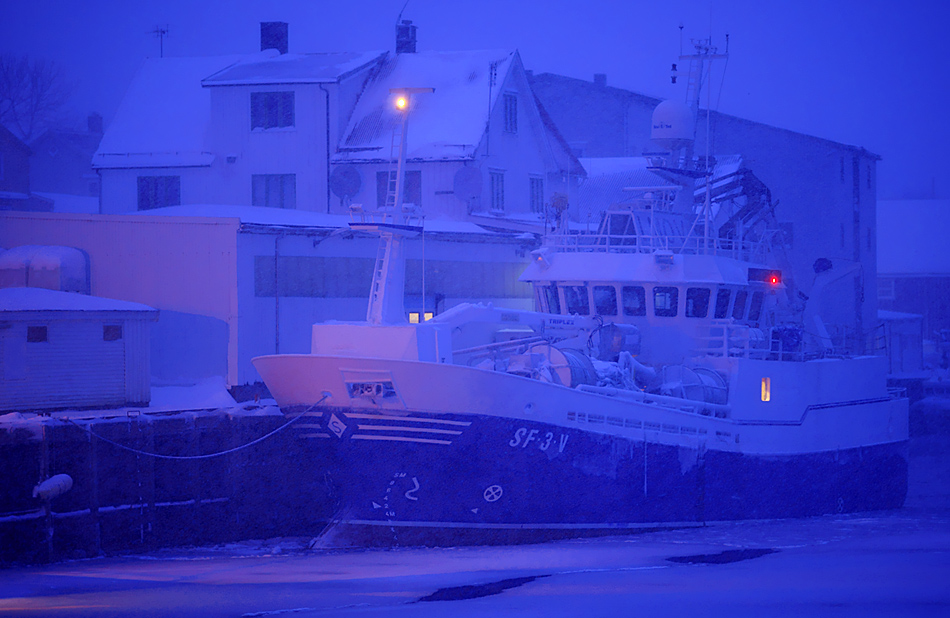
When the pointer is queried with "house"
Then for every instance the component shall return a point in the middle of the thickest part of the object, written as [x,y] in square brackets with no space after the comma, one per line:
[62,349]
[15,176]
[478,148]
[61,160]
[822,193]
[286,130]
[913,262]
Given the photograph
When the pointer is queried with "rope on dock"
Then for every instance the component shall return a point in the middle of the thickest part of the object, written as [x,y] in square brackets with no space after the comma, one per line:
[209,455]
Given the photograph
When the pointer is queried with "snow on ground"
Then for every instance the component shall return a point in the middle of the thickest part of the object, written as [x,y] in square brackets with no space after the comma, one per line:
[208,393]
[881,564]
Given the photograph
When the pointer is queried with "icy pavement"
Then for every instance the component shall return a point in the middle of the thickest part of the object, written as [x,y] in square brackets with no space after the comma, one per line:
[880,564]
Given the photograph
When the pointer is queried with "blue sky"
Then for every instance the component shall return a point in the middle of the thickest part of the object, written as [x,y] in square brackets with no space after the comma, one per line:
[867,73]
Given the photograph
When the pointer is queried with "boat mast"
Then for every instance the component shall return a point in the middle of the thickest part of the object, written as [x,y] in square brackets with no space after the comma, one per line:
[394,223]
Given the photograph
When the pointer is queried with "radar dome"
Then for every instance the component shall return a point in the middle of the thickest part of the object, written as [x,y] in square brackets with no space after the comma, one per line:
[672,125]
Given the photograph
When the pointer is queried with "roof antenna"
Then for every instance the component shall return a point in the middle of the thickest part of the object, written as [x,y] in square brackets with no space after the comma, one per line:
[161,32]
[401,11]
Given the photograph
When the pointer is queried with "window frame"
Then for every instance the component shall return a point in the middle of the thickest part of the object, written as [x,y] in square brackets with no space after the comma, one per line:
[37,334]
[741,308]
[673,310]
[158,191]
[583,299]
[284,196]
[536,193]
[510,109]
[635,291]
[260,110]
[109,332]
[496,182]
[691,311]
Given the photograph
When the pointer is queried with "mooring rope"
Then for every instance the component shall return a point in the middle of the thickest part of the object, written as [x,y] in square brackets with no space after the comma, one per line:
[208,456]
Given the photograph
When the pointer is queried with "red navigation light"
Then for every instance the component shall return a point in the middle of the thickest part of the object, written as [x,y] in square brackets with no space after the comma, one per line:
[773,279]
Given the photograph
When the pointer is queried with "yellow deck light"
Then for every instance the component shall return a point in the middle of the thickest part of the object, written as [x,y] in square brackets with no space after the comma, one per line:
[766,389]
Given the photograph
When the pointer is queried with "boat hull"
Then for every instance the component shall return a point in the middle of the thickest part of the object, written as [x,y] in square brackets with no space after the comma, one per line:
[422,476]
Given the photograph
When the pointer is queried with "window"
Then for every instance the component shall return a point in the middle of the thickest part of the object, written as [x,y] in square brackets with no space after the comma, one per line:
[497,191]
[36,334]
[664,301]
[274,190]
[536,194]
[111,332]
[159,191]
[605,299]
[414,316]
[411,188]
[575,299]
[272,110]
[722,303]
[697,302]
[766,389]
[634,300]
[511,113]
[755,309]
[550,295]
[886,290]
[738,310]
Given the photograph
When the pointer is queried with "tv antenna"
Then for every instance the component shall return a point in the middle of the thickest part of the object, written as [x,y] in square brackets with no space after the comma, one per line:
[161,32]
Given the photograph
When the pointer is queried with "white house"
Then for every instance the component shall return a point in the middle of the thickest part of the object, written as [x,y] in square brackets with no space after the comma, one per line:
[270,129]
[62,349]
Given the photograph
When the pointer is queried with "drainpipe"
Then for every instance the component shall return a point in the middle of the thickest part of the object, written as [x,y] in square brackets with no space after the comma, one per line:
[326,96]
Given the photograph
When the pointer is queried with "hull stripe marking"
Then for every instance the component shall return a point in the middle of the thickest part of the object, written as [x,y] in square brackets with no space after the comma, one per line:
[401,439]
[407,419]
[314,435]
[418,429]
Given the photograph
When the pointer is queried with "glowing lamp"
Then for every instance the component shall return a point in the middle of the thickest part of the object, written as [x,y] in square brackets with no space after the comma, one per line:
[402,102]
[773,279]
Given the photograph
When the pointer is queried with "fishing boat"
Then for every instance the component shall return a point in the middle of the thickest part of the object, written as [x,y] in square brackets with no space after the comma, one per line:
[664,379]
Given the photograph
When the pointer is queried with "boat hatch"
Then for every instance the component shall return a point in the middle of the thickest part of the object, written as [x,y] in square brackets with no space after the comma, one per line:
[370,390]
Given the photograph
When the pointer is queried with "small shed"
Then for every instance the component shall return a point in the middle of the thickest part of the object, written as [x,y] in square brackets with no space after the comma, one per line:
[63,350]
[903,333]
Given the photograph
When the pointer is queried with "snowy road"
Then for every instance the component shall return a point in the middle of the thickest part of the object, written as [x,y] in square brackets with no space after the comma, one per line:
[883,564]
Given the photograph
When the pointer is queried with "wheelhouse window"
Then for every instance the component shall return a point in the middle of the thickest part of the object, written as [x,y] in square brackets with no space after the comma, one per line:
[738,310]
[722,303]
[575,299]
[665,301]
[158,191]
[634,300]
[551,298]
[697,302]
[605,299]
[272,110]
[274,190]
[755,309]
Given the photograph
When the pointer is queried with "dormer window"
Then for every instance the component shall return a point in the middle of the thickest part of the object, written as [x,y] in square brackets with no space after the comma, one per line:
[272,110]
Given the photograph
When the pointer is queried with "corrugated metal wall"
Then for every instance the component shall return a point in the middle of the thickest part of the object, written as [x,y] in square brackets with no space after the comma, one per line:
[75,366]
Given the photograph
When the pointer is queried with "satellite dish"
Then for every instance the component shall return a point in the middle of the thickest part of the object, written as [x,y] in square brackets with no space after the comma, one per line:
[467,184]
[345,181]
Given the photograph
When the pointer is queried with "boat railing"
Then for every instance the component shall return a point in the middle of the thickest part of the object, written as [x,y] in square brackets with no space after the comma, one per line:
[692,406]
[751,250]
[409,215]
[737,340]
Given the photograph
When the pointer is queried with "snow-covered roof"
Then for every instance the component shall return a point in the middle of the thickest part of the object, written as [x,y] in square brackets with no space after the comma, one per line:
[80,204]
[279,217]
[912,237]
[271,67]
[447,124]
[163,117]
[40,299]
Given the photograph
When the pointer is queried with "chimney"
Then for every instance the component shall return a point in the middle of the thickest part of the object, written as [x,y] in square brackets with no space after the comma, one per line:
[94,123]
[274,36]
[600,79]
[405,37]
